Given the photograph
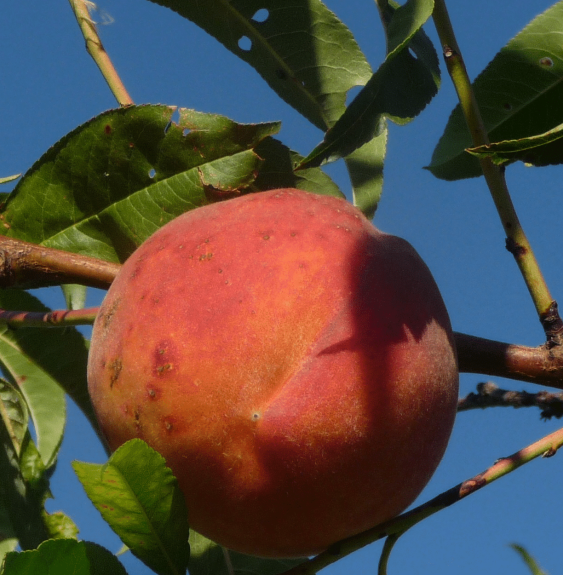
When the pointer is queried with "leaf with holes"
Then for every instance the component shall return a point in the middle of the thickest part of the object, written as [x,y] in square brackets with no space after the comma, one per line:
[208,558]
[519,94]
[140,499]
[109,184]
[302,50]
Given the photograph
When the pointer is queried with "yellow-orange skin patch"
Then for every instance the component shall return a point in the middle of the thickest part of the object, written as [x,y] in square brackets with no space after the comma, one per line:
[294,365]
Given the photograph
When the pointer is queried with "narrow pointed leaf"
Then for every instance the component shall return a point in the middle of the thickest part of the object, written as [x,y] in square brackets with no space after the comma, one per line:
[208,558]
[365,166]
[400,89]
[302,50]
[140,499]
[63,557]
[519,94]
[541,150]
[407,20]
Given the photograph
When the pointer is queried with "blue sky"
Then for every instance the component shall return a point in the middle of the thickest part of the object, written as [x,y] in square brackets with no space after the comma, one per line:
[50,85]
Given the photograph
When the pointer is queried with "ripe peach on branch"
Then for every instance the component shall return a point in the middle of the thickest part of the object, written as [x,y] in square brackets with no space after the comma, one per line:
[294,365]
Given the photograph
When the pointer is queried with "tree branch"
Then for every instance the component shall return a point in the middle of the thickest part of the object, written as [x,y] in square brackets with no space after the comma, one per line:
[27,265]
[545,447]
[491,395]
[542,365]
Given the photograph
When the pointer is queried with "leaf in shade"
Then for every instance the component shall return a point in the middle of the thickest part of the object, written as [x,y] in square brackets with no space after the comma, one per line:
[399,90]
[63,557]
[302,50]
[140,499]
[541,150]
[208,558]
[14,413]
[277,171]
[8,539]
[519,94]
[110,183]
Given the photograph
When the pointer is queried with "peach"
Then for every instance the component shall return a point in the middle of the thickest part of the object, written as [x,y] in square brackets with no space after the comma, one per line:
[294,365]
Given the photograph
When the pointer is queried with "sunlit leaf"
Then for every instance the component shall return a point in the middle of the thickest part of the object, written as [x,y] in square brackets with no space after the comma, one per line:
[400,89]
[110,183]
[541,150]
[14,414]
[140,499]
[208,558]
[519,94]
[302,50]
[64,557]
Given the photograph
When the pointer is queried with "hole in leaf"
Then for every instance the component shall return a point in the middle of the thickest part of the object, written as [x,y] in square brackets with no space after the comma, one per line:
[185,132]
[261,15]
[152,173]
[546,62]
[245,43]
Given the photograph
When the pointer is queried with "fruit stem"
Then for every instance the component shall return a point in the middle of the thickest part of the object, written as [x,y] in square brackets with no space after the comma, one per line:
[516,241]
[545,447]
[58,318]
[95,48]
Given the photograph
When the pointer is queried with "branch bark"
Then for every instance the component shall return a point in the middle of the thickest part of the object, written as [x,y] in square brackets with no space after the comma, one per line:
[542,365]
[27,265]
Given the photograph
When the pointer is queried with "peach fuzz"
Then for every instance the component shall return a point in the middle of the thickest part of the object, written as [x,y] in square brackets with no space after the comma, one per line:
[294,365]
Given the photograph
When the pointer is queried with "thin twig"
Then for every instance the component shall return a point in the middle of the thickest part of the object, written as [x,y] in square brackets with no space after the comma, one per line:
[57,318]
[516,240]
[96,49]
[491,395]
[545,447]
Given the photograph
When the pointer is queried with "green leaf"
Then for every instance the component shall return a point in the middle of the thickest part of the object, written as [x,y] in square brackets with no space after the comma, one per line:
[140,499]
[14,414]
[528,559]
[519,94]
[109,184]
[277,171]
[21,502]
[208,558]
[63,557]
[365,166]
[60,526]
[541,150]
[302,50]
[8,538]
[399,90]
